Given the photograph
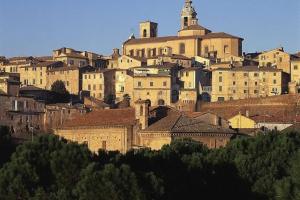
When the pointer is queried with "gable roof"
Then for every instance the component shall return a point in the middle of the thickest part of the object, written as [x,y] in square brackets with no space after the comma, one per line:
[177,122]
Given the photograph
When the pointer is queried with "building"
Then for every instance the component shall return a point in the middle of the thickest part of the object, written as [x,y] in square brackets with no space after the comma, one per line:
[247,82]
[22,115]
[182,61]
[71,76]
[35,74]
[126,62]
[242,122]
[123,84]
[140,127]
[9,83]
[176,125]
[100,83]
[111,130]
[276,58]
[57,114]
[192,40]
[158,84]
[294,85]
[73,57]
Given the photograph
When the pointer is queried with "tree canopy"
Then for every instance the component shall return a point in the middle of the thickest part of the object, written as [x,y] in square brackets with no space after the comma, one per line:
[59,88]
[262,167]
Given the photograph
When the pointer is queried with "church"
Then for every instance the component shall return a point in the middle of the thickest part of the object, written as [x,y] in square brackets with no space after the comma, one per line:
[192,40]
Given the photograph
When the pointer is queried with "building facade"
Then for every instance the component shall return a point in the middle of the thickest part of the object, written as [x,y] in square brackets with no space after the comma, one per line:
[247,82]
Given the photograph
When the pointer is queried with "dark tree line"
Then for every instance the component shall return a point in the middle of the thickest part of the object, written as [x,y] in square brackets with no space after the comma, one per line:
[264,167]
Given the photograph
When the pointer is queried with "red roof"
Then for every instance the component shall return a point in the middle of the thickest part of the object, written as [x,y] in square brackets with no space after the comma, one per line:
[115,117]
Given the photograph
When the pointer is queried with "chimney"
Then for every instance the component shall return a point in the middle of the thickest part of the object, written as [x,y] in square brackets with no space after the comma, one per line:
[247,113]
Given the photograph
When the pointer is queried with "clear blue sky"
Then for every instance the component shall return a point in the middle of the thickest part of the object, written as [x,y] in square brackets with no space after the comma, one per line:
[36,27]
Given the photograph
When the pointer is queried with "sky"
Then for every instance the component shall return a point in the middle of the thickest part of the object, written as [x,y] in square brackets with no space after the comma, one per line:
[36,27]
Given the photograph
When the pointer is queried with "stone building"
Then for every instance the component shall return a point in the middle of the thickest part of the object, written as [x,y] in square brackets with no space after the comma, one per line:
[294,85]
[276,58]
[73,57]
[192,40]
[247,82]
[23,115]
[158,84]
[111,130]
[35,74]
[71,76]
[123,84]
[100,83]
[9,83]
[140,127]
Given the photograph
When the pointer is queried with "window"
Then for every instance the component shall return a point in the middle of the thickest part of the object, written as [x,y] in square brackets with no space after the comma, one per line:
[233,83]
[233,91]
[151,84]
[41,81]
[295,67]
[274,81]
[245,91]
[255,91]
[233,74]
[255,83]
[165,83]
[89,87]
[71,62]
[181,48]
[206,49]
[94,76]
[245,74]
[85,76]
[100,87]
[186,74]
[139,84]
[264,80]
[144,33]
[255,74]
[67,83]
[280,59]
[275,73]
[94,87]
[246,83]
[185,21]
[33,81]
[100,75]
[220,88]
[220,79]
[220,99]
[226,49]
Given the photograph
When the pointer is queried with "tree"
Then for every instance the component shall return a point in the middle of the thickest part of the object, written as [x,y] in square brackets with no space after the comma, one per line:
[110,99]
[7,146]
[59,88]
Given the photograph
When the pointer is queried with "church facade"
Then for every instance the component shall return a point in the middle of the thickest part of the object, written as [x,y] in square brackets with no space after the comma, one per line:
[192,40]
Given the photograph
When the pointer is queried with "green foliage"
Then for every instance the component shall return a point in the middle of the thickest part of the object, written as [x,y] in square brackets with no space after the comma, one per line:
[262,167]
[6,144]
[62,94]
[109,99]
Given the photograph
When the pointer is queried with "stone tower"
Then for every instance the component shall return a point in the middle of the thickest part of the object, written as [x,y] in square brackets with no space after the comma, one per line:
[142,113]
[148,29]
[188,15]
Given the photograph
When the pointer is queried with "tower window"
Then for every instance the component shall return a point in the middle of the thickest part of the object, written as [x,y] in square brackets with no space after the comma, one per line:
[144,33]
[185,21]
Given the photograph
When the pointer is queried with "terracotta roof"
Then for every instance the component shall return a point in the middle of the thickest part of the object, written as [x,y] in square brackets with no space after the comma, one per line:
[177,122]
[31,88]
[110,117]
[173,56]
[170,38]
[276,118]
[219,35]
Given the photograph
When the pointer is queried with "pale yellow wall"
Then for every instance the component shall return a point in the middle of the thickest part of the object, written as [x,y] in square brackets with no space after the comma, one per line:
[13,68]
[295,71]
[36,76]
[191,32]
[190,47]
[240,121]
[116,138]
[188,96]
[70,77]
[126,62]
[124,85]
[155,142]
[155,92]
[276,57]
[94,82]
[188,79]
[261,85]
[161,59]
[218,44]
[67,60]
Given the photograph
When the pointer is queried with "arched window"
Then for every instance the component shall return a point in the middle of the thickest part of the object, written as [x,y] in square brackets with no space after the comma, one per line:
[161,102]
[144,33]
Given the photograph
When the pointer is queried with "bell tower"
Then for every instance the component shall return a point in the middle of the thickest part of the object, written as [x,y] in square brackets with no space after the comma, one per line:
[188,15]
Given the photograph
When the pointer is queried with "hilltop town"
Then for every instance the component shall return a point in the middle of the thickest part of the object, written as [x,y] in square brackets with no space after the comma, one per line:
[197,84]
